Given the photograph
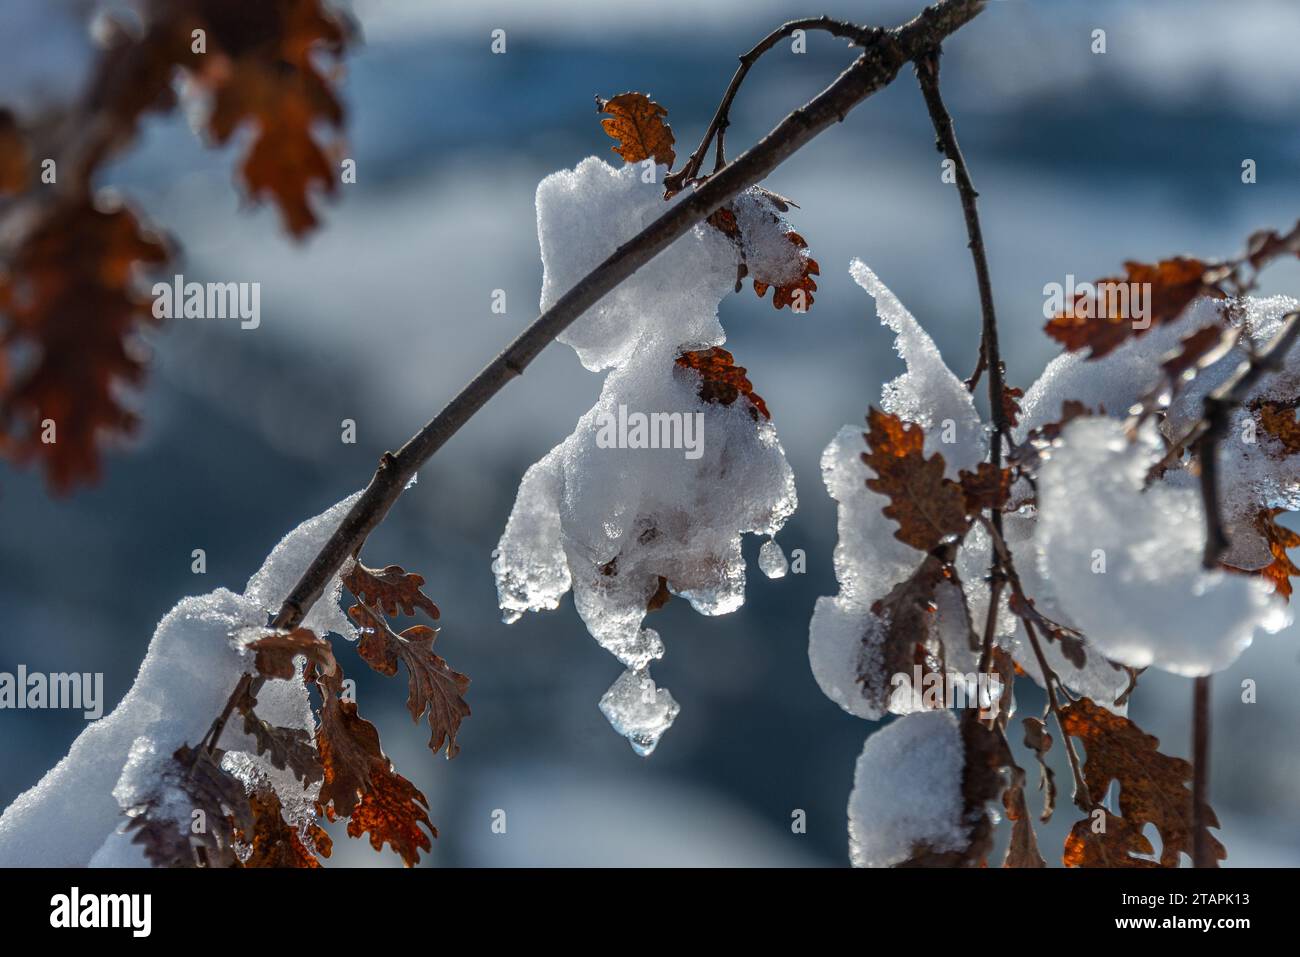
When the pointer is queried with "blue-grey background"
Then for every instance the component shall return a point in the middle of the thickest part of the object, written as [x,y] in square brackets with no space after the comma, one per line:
[1082,160]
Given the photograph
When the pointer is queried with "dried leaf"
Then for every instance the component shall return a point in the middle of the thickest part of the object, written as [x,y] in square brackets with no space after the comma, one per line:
[14,158]
[1114,846]
[987,488]
[927,506]
[74,311]
[262,73]
[906,613]
[797,293]
[1281,569]
[1152,788]
[1022,850]
[1011,397]
[277,650]
[636,123]
[1202,348]
[360,783]
[1280,422]
[1072,643]
[290,748]
[274,843]
[434,687]
[1039,740]
[1104,318]
[721,380]
[389,589]
[167,842]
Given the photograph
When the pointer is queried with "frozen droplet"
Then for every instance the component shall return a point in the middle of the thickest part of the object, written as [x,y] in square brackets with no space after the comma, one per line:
[638,710]
[413,481]
[771,560]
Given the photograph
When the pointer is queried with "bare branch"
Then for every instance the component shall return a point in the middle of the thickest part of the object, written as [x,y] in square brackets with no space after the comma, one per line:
[927,72]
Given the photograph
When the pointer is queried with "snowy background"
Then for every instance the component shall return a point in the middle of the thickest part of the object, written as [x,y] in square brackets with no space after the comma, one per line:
[1081,160]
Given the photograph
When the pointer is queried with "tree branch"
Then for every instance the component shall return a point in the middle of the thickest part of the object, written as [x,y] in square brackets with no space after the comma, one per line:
[927,73]
[875,68]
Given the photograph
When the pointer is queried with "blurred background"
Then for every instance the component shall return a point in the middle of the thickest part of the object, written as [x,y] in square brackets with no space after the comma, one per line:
[1082,161]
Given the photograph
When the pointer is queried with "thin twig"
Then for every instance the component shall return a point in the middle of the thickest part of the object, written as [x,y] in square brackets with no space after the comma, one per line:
[927,73]
[1050,679]
[722,116]
[1202,854]
[874,69]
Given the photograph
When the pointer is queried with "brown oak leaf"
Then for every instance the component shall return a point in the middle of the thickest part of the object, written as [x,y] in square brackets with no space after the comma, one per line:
[721,380]
[1281,569]
[1022,849]
[360,782]
[276,843]
[434,687]
[1011,397]
[796,293]
[1102,319]
[927,506]
[168,842]
[1110,841]
[1039,740]
[74,311]
[1152,789]
[290,748]
[262,72]
[988,487]
[1279,421]
[14,157]
[389,589]
[276,651]
[636,123]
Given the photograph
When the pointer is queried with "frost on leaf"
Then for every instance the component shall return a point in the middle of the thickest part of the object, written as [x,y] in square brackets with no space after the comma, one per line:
[721,380]
[636,123]
[1281,569]
[768,248]
[273,842]
[291,749]
[1152,790]
[192,781]
[650,495]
